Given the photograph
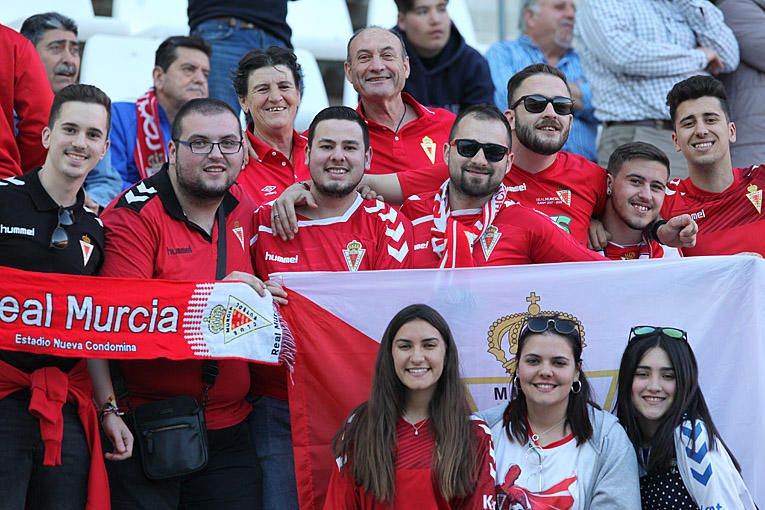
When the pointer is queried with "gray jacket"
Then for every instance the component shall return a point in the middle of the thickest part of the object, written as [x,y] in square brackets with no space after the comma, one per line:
[746,85]
[616,486]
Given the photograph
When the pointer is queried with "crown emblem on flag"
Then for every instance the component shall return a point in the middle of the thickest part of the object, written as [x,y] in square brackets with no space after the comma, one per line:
[755,197]
[504,332]
[353,254]
[216,320]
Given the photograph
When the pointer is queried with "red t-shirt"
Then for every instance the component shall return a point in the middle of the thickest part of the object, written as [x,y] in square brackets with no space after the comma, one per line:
[264,179]
[729,222]
[419,144]
[148,236]
[518,235]
[415,487]
[570,191]
[370,235]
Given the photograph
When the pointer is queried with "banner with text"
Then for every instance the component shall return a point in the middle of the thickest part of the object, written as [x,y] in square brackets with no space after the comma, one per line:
[338,318]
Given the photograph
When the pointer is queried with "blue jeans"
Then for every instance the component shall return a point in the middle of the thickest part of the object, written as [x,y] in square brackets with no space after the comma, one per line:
[229,44]
[270,428]
[24,481]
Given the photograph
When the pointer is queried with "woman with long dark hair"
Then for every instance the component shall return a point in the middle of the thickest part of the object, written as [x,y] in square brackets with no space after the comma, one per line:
[554,448]
[413,444]
[683,460]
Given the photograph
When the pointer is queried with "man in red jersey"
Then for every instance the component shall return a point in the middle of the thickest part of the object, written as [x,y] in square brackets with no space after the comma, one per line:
[404,134]
[637,179]
[343,232]
[726,202]
[473,206]
[169,226]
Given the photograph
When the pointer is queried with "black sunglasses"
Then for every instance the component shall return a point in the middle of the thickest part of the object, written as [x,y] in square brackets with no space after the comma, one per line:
[60,238]
[536,103]
[540,324]
[468,148]
[639,332]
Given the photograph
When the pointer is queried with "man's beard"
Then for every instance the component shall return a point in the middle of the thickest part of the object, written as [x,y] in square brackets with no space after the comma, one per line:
[336,189]
[529,139]
[197,187]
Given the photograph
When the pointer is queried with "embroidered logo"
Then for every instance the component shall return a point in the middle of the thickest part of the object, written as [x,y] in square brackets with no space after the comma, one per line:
[353,255]
[239,233]
[234,320]
[429,146]
[490,240]
[755,197]
[268,190]
[565,196]
[87,248]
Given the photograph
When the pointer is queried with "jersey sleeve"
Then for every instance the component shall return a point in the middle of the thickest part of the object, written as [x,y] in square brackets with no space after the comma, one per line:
[483,496]
[395,240]
[342,491]
[421,180]
[131,244]
[549,243]
[261,218]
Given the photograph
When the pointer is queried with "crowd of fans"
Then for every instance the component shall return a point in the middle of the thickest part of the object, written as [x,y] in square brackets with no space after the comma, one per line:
[602,133]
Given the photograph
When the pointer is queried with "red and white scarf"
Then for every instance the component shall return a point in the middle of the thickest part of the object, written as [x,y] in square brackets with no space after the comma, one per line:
[150,152]
[451,240]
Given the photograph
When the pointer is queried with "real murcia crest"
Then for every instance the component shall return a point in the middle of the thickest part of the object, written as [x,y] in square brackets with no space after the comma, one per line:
[353,254]
[234,320]
[429,146]
[565,196]
[87,248]
[490,240]
[504,332]
[239,233]
[755,197]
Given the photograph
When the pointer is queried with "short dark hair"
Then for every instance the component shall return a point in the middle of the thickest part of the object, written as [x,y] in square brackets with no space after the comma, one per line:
[696,87]
[405,6]
[34,27]
[339,113]
[348,59]
[166,54]
[203,105]
[271,57]
[635,150]
[483,112]
[518,78]
[81,94]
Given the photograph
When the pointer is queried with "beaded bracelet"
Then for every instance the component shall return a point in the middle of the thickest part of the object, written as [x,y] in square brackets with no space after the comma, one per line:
[109,407]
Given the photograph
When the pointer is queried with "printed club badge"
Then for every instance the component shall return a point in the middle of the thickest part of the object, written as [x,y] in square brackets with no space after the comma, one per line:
[87,249]
[353,255]
[234,320]
[429,147]
[490,240]
[565,196]
[239,233]
[755,197]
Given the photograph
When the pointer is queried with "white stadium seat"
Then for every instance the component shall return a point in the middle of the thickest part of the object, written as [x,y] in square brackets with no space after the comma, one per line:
[121,66]
[322,27]
[153,18]
[14,12]
[314,97]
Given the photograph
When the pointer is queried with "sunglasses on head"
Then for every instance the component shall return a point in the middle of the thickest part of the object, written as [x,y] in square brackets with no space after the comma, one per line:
[491,151]
[60,238]
[639,332]
[543,323]
[536,103]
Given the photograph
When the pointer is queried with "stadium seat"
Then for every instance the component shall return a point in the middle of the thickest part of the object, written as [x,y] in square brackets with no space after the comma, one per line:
[350,96]
[384,13]
[322,27]
[153,18]
[121,66]
[14,12]
[314,97]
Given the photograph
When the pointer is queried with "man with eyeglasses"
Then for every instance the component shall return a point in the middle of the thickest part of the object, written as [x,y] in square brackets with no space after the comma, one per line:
[186,222]
[473,208]
[44,227]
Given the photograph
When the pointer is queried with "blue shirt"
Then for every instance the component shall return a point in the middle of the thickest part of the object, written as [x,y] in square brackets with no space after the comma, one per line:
[123,137]
[508,57]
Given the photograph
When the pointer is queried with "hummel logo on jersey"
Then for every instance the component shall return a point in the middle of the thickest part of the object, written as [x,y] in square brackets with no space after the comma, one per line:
[11,180]
[698,215]
[179,251]
[516,189]
[421,246]
[22,231]
[268,190]
[278,258]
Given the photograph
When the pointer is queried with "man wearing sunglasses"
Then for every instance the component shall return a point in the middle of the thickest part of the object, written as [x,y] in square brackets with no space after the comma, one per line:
[472,208]
[44,227]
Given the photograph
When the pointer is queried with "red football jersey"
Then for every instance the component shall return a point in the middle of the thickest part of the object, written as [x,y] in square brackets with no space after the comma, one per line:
[570,191]
[518,235]
[419,144]
[265,178]
[370,235]
[729,222]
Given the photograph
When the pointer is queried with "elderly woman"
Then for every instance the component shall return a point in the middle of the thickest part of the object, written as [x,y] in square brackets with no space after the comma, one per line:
[267,83]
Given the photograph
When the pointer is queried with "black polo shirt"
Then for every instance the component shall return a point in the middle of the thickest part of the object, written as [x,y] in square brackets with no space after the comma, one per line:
[28,217]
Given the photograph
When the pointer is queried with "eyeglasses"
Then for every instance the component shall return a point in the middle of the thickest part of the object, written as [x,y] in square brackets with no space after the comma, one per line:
[639,332]
[60,238]
[206,147]
[469,148]
[536,103]
[540,324]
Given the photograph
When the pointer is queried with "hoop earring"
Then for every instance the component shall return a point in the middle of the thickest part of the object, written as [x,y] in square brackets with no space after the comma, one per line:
[517,383]
[578,388]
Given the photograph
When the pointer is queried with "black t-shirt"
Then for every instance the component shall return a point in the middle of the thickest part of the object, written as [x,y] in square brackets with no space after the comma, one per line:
[28,217]
[268,15]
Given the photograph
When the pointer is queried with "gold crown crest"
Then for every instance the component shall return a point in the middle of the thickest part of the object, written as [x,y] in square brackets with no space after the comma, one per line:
[217,319]
[354,246]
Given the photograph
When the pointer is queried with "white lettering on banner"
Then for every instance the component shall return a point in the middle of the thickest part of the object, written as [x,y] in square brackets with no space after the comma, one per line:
[153,140]
[113,319]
